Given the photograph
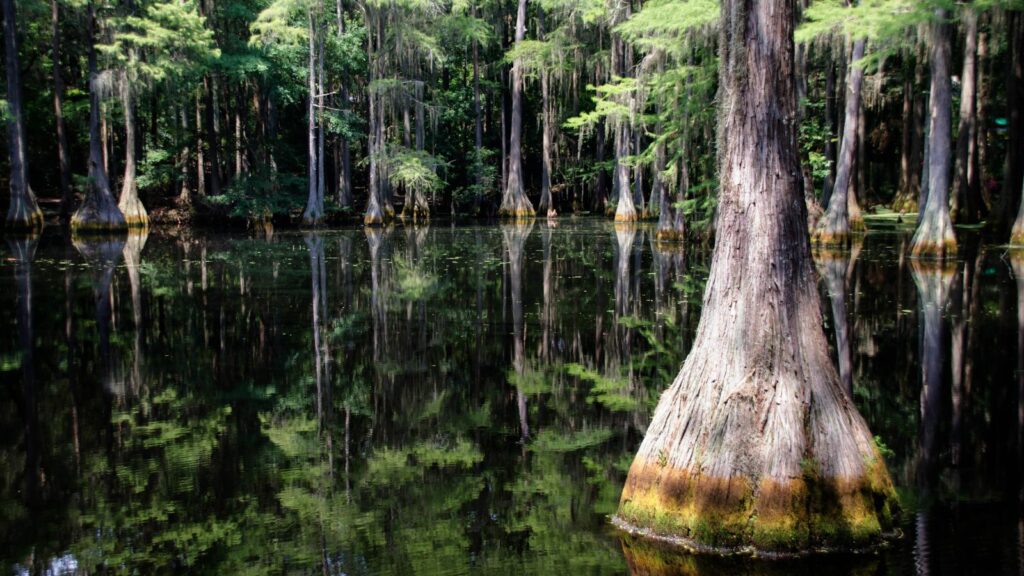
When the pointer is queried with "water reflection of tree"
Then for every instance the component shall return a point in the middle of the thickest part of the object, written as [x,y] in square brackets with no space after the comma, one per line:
[836,268]
[227,458]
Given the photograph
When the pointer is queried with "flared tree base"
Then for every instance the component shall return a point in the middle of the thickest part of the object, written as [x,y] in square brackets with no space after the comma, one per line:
[1017,235]
[91,219]
[626,216]
[516,206]
[24,220]
[135,215]
[741,515]
[934,239]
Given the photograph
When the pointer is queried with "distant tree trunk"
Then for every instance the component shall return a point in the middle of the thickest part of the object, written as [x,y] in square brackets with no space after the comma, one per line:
[514,203]
[314,213]
[934,235]
[755,443]
[906,140]
[1014,167]
[134,212]
[23,212]
[212,133]
[345,172]
[601,180]
[964,206]
[638,177]
[834,227]
[63,154]
[99,211]
[478,142]
[184,194]
[625,209]
[830,129]
[374,215]
[982,96]
[200,160]
[545,206]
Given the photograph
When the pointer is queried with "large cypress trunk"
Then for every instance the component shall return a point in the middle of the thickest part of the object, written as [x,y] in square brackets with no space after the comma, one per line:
[99,211]
[514,203]
[934,235]
[23,212]
[834,228]
[755,444]
[1014,168]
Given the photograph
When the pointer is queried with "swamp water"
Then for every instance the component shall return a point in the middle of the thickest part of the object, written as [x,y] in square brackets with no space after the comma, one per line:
[451,400]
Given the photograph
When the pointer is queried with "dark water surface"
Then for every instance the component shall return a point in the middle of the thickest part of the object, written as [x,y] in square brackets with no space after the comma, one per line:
[450,400]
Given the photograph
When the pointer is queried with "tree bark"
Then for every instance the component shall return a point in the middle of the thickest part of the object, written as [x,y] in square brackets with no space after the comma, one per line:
[99,211]
[23,212]
[755,444]
[514,203]
[834,227]
[63,154]
[964,207]
[934,236]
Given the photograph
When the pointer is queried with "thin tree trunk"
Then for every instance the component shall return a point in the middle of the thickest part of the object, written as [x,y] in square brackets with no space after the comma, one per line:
[212,133]
[834,227]
[478,142]
[963,207]
[374,215]
[99,211]
[756,443]
[63,153]
[313,215]
[184,193]
[830,129]
[514,203]
[200,160]
[545,205]
[934,235]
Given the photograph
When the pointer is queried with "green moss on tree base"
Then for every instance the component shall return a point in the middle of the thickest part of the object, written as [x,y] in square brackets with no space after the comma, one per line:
[938,249]
[799,515]
[518,214]
[30,222]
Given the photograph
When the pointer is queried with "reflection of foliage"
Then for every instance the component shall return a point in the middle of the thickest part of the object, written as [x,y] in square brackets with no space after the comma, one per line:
[612,393]
[551,441]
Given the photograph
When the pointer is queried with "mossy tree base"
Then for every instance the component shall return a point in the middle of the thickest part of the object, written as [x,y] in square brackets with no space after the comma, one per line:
[735,515]
[24,219]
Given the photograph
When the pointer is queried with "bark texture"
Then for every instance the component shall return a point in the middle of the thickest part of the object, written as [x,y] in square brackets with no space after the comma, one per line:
[934,235]
[23,212]
[755,445]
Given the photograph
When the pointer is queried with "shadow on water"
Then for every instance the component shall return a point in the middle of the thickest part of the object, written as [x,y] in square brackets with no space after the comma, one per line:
[452,400]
